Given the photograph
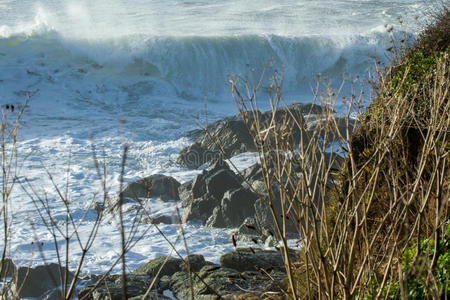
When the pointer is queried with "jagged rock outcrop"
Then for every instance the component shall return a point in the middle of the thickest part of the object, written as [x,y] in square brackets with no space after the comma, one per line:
[206,191]
[219,198]
[236,205]
[234,135]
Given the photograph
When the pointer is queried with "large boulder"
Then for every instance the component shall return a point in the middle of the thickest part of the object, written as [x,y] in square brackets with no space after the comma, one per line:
[196,262]
[168,266]
[207,190]
[250,231]
[265,218]
[220,198]
[234,135]
[245,259]
[231,134]
[262,219]
[37,281]
[158,185]
[235,207]
[200,209]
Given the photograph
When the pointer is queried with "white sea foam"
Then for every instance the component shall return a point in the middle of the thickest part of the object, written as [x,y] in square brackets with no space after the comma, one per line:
[109,72]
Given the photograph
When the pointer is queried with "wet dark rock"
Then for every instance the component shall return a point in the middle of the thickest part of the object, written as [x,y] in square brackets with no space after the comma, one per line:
[249,226]
[245,259]
[217,198]
[39,280]
[111,288]
[236,205]
[169,266]
[331,132]
[185,193]
[207,190]
[252,173]
[220,182]
[220,198]
[158,185]
[250,231]
[231,133]
[264,216]
[213,281]
[200,209]
[216,179]
[235,135]
[8,268]
[310,108]
[196,262]
[163,187]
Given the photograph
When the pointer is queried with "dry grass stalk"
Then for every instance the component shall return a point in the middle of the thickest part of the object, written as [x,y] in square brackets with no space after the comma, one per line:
[393,190]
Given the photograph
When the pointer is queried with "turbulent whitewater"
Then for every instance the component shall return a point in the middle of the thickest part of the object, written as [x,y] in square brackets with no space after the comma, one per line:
[143,72]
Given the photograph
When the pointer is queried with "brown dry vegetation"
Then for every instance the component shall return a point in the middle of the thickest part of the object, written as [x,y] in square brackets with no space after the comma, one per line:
[379,227]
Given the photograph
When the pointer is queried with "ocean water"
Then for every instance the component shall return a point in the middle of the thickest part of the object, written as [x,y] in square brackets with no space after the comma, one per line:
[143,72]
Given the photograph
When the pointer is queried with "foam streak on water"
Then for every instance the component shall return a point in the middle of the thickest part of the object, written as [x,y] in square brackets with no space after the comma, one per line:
[109,72]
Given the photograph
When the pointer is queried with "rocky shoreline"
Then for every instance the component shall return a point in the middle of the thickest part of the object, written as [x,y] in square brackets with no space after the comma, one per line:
[220,198]
[241,274]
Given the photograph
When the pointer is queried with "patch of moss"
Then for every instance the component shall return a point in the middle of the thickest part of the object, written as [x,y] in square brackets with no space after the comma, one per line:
[414,68]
